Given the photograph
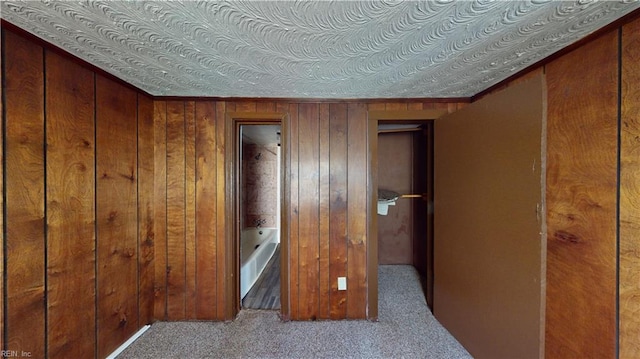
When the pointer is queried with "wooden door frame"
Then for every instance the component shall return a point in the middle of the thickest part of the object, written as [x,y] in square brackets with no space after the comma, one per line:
[372,192]
[233,121]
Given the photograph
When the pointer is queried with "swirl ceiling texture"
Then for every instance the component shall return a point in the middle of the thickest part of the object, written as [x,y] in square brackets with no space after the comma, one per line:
[313,49]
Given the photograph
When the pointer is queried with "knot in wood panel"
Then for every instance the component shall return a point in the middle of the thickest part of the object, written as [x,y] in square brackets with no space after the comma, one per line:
[566,236]
[128,252]
[123,319]
[124,252]
[81,167]
[129,177]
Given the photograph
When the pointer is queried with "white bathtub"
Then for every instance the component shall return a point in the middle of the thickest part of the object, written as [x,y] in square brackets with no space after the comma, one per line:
[256,248]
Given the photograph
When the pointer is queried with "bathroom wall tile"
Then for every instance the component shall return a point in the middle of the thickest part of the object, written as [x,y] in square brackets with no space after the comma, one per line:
[259,184]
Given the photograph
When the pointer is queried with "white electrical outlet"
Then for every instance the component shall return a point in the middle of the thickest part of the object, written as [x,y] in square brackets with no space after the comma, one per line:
[342,283]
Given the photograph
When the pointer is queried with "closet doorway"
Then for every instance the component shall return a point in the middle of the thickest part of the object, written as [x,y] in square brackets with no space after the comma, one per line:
[402,168]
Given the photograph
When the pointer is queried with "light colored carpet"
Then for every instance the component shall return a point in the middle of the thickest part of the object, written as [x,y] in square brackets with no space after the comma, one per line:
[406,329]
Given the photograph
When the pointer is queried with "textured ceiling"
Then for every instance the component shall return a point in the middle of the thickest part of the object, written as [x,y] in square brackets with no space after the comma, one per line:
[313,49]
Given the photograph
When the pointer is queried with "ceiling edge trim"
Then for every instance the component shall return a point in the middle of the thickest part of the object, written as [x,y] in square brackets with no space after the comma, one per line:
[407,115]
[318,100]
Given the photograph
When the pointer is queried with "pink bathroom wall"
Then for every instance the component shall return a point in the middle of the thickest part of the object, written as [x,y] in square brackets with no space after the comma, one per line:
[259,195]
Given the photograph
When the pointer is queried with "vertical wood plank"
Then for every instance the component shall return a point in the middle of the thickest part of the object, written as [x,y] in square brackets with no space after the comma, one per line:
[146,224]
[294,166]
[414,106]
[395,106]
[462,105]
[372,220]
[629,304]
[71,255]
[324,202]
[452,107]
[308,210]
[116,215]
[526,77]
[221,215]
[206,221]
[442,106]
[245,106]
[266,106]
[338,208]
[24,176]
[229,106]
[176,203]
[160,209]
[430,155]
[285,195]
[190,210]
[376,106]
[581,202]
[357,209]
[421,221]
[282,107]
[2,229]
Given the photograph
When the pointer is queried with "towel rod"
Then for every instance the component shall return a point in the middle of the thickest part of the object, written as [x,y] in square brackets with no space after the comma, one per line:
[424,195]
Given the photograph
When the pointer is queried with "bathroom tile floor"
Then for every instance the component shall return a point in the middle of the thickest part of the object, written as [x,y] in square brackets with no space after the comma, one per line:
[265,294]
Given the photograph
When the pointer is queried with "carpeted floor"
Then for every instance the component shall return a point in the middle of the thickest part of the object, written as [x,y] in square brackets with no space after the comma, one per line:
[406,329]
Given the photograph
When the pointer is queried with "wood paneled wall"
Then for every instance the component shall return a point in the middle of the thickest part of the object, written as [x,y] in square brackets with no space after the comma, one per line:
[70,196]
[189,207]
[78,216]
[581,201]
[327,219]
[115,204]
[2,236]
[593,213]
[629,264]
[25,200]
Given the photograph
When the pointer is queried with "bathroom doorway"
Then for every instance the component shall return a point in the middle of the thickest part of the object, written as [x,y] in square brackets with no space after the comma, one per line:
[258,243]
[260,216]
